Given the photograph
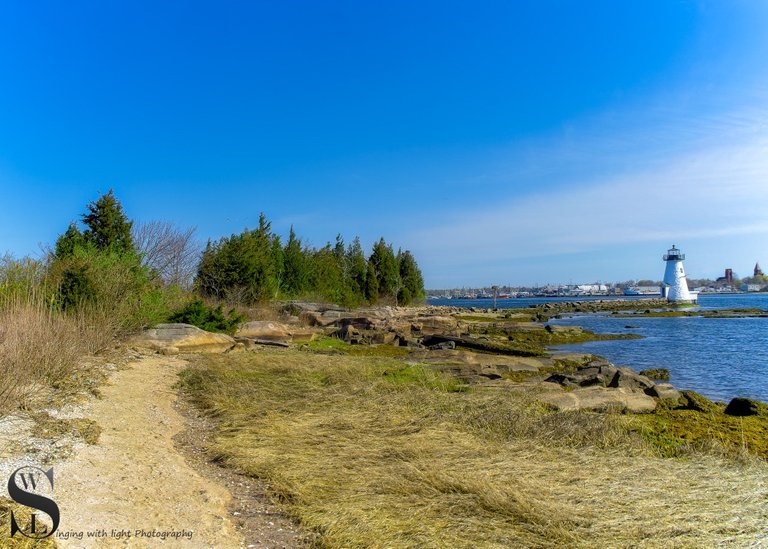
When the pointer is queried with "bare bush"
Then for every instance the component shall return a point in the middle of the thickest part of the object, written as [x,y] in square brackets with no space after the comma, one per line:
[170,251]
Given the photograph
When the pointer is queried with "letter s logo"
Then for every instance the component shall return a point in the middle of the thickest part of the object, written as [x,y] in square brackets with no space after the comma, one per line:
[30,477]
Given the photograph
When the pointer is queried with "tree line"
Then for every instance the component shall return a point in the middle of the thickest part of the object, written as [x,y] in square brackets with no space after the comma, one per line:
[255,265]
[110,258]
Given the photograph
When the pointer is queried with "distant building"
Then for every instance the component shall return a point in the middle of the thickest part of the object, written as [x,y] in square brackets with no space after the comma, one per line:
[751,287]
[758,270]
[729,276]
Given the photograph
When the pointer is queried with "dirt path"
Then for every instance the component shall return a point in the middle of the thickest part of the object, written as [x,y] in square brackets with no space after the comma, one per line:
[134,478]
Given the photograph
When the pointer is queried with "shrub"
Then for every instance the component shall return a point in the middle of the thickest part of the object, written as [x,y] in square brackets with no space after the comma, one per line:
[211,319]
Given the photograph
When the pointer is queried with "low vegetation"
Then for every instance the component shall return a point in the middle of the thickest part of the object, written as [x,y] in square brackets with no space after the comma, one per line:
[105,278]
[374,452]
[22,514]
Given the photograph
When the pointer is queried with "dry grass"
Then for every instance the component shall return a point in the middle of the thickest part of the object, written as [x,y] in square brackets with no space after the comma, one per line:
[40,347]
[18,541]
[364,451]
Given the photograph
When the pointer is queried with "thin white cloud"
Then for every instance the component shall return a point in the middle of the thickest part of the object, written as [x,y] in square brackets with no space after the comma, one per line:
[713,193]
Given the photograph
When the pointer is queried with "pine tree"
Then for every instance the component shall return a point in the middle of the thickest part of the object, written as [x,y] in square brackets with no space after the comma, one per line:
[357,268]
[108,226]
[387,272]
[295,275]
[412,283]
[67,243]
[371,283]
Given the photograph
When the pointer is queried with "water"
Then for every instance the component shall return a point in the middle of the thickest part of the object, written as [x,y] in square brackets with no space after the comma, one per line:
[717,357]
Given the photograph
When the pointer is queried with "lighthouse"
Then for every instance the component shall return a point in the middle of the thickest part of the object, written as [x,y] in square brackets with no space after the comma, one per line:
[675,287]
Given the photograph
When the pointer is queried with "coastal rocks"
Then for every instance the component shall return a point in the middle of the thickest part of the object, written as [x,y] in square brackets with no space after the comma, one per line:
[691,400]
[264,329]
[602,374]
[660,374]
[181,338]
[591,375]
[444,346]
[629,379]
[664,391]
[600,399]
[443,325]
[740,406]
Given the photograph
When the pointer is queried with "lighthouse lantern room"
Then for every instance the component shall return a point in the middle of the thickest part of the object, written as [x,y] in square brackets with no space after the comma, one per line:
[675,286]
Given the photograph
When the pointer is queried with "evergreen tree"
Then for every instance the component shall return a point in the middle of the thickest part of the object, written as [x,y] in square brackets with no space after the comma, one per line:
[371,283]
[71,240]
[296,272]
[108,226]
[357,268]
[385,266]
[412,283]
[326,276]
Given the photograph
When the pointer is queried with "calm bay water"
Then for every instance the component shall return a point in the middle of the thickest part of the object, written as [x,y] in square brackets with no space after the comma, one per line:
[717,357]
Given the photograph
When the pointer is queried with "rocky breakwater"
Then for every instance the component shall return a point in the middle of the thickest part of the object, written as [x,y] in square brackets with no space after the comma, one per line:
[600,385]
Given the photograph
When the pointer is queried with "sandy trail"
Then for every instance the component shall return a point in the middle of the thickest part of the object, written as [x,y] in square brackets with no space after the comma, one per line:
[134,478]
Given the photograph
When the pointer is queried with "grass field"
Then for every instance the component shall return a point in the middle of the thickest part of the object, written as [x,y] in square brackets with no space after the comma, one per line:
[372,452]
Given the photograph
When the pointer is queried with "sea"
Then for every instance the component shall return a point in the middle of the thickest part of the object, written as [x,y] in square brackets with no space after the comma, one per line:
[720,358]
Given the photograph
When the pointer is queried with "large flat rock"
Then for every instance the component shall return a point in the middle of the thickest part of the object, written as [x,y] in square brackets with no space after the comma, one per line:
[601,399]
[265,329]
[182,338]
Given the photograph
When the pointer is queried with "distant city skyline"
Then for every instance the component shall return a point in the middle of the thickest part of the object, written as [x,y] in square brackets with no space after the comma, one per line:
[502,143]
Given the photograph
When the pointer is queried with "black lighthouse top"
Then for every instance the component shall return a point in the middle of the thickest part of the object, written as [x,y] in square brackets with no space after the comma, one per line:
[673,254]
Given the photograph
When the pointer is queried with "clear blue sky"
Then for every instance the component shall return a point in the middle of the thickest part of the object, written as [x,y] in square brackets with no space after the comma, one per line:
[502,142]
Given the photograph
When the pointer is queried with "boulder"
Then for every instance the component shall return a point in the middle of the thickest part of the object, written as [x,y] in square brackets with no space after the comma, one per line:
[628,378]
[438,324]
[601,375]
[264,329]
[664,391]
[600,399]
[314,318]
[661,374]
[740,406]
[349,333]
[694,401]
[444,346]
[183,338]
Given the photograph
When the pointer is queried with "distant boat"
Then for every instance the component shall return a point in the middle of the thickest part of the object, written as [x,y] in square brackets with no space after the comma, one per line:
[643,290]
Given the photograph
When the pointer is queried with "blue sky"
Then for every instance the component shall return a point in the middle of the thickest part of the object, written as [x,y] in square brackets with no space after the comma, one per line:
[502,142]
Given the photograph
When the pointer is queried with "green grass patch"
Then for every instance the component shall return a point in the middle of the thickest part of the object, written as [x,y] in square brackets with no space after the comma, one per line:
[674,432]
[335,346]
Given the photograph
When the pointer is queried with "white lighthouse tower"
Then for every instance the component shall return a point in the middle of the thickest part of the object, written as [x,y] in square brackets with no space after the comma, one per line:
[675,287]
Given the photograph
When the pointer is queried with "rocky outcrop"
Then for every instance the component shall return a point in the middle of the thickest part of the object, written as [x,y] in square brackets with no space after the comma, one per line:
[664,391]
[601,399]
[180,338]
[741,406]
[265,329]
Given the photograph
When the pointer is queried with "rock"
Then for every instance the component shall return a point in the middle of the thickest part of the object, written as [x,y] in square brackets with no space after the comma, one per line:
[444,346]
[741,406]
[664,391]
[169,351]
[601,375]
[264,329]
[628,378]
[383,338]
[314,318]
[360,323]
[183,338]
[438,324]
[349,333]
[694,401]
[661,374]
[490,372]
[600,399]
